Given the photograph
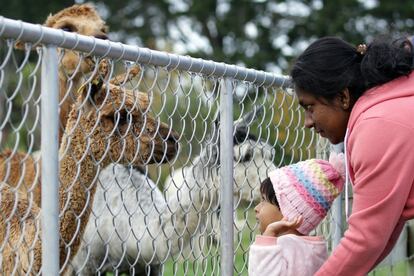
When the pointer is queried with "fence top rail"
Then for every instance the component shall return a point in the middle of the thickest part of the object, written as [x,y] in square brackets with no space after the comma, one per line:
[37,34]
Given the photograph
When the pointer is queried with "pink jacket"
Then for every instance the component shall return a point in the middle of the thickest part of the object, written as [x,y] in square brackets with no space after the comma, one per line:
[380,150]
[287,255]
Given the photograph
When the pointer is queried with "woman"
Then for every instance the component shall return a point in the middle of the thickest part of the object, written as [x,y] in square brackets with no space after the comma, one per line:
[364,97]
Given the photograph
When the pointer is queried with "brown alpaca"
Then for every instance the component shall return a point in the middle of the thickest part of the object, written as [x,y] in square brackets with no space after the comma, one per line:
[21,170]
[105,124]
[82,19]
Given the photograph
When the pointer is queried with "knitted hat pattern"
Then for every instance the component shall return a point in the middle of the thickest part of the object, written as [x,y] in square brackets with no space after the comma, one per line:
[308,188]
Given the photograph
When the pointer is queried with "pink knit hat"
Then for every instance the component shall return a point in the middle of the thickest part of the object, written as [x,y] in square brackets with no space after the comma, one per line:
[308,188]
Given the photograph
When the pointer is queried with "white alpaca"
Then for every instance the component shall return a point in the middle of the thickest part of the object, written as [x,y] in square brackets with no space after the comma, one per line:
[253,159]
[132,225]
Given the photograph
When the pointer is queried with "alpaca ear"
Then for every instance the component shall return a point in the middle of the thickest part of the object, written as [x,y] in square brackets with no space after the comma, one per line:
[21,45]
[249,117]
[96,88]
[215,131]
[210,150]
[88,94]
[241,132]
[104,70]
[50,20]
[124,78]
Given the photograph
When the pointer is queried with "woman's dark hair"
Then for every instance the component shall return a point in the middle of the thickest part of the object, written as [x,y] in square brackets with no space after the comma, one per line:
[329,65]
[267,191]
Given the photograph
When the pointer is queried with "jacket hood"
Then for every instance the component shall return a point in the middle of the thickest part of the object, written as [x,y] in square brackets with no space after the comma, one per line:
[397,88]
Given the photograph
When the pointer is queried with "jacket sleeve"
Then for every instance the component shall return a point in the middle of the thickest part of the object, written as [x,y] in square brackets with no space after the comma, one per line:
[393,239]
[266,257]
[382,161]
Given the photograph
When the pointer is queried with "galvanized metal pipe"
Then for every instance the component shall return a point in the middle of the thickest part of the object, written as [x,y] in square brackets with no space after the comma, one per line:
[50,161]
[39,34]
[337,211]
[226,178]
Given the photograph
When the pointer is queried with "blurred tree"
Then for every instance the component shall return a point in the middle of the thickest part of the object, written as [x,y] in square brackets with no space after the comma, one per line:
[32,11]
[230,31]
[258,33]
[354,20]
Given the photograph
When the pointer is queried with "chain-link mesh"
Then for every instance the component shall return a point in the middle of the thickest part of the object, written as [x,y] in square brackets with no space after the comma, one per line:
[135,216]
[139,159]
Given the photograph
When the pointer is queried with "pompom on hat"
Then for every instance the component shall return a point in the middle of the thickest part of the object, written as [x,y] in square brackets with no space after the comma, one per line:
[308,189]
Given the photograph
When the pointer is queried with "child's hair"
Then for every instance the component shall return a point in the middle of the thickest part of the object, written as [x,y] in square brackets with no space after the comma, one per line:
[267,192]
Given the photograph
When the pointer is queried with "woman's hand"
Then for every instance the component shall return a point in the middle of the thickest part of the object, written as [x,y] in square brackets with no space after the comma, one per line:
[283,226]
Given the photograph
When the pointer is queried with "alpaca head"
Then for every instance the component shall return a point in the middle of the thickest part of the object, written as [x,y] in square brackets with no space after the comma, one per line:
[252,157]
[82,19]
[117,126]
[253,160]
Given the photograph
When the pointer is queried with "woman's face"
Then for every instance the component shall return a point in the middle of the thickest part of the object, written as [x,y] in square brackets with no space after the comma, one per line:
[328,118]
[266,213]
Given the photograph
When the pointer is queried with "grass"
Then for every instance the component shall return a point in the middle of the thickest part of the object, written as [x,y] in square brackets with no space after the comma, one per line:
[398,269]
[210,264]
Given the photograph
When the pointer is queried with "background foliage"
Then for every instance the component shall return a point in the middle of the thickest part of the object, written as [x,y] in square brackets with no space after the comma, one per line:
[259,34]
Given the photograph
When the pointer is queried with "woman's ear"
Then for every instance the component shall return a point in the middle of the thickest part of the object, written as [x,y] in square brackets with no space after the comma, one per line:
[345,99]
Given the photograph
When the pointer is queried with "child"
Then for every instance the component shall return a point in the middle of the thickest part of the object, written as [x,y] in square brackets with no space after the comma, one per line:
[294,201]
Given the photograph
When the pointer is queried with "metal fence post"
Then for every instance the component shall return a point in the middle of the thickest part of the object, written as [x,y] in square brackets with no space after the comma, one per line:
[226,178]
[337,211]
[50,161]
[336,225]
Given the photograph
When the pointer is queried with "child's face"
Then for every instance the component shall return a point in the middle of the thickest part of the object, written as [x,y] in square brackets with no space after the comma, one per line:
[266,213]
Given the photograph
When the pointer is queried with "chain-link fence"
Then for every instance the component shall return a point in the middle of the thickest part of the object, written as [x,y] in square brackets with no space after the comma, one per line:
[150,162]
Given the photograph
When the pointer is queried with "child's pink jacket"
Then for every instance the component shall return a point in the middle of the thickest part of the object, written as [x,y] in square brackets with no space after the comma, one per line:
[380,151]
[286,255]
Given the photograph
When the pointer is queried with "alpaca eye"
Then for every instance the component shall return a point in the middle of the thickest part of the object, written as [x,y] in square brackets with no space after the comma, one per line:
[247,157]
[102,36]
[244,155]
[123,117]
[67,29]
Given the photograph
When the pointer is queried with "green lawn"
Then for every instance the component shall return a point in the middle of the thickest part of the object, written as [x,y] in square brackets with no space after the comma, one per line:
[399,269]
[209,263]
